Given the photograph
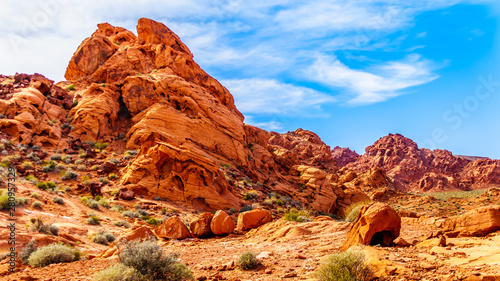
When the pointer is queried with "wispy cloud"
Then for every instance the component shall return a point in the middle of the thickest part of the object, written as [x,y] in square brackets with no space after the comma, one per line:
[267,96]
[267,125]
[376,84]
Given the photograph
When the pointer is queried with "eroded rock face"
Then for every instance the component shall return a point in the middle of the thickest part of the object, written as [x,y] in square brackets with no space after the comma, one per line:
[173,228]
[252,219]
[306,146]
[34,111]
[377,223]
[344,156]
[150,88]
[418,169]
[222,223]
[178,174]
[478,222]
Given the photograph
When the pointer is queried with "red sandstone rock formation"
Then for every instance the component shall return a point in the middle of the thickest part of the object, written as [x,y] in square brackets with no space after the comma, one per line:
[377,223]
[420,169]
[344,156]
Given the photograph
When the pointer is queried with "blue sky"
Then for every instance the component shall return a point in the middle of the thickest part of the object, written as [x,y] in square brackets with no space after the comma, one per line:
[352,71]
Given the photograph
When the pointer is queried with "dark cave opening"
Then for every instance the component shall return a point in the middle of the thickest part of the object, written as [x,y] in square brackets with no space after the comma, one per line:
[383,238]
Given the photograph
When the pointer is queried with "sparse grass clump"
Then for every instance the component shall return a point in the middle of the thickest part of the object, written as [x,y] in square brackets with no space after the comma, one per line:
[148,259]
[57,200]
[101,145]
[118,272]
[6,204]
[90,203]
[252,194]
[248,260]
[131,214]
[103,180]
[54,253]
[28,165]
[153,221]
[347,266]
[125,224]
[93,220]
[44,185]
[36,205]
[26,252]
[70,87]
[296,215]
[69,175]
[103,237]
[352,211]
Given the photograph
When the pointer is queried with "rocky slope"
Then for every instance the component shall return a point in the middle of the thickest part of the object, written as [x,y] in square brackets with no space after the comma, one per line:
[422,170]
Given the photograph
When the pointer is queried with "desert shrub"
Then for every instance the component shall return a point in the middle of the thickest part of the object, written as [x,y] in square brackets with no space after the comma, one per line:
[54,253]
[246,208]
[125,224]
[131,214]
[248,260]
[352,211]
[131,152]
[346,266]
[114,161]
[48,166]
[28,165]
[93,220]
[38,225]
[36,204]
[79,161]
[35,195]
[126,157]
[68,175]
[66,159]
[112,176]
[142,212]
[118,272]
[268,202]
[46,185]
[103,202]
[296,215]
[103,180]
[70,87]
[58,200]
[26,252]
[90,203]
[55,157]
[103,237]
[252,194]
[5,204]
[81,167]
[118,208]
[149,260]
[279,202]
[153,221]
[101,145]
[31,178]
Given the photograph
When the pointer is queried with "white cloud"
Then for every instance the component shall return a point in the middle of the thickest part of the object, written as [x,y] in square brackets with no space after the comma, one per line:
[376,84]
[268,125]
[267,96]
